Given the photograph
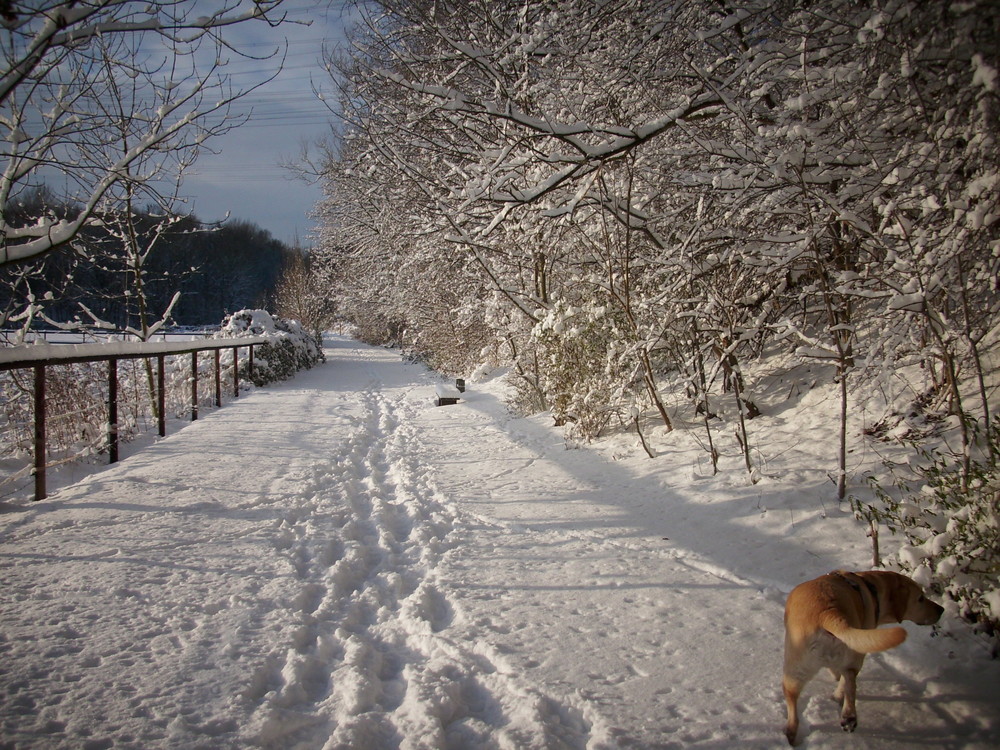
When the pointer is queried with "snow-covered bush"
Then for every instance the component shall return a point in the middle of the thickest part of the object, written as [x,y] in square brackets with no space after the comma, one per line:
[581,367]
[75,405]
[291,347]
[375,328]
[950,519]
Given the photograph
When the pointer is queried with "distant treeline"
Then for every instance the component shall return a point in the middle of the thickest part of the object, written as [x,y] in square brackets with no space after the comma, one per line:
[217,270]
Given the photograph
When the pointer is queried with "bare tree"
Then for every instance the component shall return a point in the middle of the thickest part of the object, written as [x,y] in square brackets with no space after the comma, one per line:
[301,295]
[66,66]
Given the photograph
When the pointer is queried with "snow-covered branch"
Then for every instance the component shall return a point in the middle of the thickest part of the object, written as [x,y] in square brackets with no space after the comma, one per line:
[91,92]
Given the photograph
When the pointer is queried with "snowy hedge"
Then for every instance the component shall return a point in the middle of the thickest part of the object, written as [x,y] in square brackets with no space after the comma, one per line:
[292,347]
[948,511]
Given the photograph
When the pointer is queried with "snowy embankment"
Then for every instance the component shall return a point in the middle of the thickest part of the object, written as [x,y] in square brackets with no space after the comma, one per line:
[335,563]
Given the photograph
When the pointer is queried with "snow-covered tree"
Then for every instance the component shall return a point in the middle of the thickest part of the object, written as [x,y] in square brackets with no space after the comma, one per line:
[722,175]
[641,197]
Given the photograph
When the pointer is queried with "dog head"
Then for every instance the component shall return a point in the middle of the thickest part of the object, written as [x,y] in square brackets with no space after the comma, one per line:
[907,601]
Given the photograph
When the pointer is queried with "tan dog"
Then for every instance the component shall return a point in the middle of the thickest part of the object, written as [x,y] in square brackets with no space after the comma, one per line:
[831,622]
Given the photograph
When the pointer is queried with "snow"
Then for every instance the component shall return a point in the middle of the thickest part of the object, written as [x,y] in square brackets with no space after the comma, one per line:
[984,75]
[334,562]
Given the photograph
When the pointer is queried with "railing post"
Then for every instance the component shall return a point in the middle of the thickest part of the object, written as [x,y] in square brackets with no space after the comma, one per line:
[40,493]
[194,385]
[112,411]
[218,379]
[161,395]
[250,370]
[236,372]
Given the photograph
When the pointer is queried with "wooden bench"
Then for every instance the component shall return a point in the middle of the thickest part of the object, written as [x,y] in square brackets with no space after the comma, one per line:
[447,395]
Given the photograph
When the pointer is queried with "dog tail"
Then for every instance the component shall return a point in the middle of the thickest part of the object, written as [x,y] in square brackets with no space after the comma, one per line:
[862,640]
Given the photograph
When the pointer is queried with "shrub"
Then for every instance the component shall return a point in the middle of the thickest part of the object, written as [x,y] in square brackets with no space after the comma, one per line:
[951,524]
[583,370]
[291,347]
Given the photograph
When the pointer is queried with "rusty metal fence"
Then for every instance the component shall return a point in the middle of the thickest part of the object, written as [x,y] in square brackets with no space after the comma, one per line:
[37,359]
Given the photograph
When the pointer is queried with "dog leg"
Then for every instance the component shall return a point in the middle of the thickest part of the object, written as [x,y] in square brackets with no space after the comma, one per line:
[848,691]
[838,692]
[791,688]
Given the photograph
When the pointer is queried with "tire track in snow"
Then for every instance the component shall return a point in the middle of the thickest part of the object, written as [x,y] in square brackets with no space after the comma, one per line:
[374,660]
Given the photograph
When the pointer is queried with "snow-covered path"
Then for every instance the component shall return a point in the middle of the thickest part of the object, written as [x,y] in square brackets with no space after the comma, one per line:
[335,563]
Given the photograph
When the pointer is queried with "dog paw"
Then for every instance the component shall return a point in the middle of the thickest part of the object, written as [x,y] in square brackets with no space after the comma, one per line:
[849,723]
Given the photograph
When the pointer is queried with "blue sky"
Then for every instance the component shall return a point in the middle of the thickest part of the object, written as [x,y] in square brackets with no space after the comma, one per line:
[246,179]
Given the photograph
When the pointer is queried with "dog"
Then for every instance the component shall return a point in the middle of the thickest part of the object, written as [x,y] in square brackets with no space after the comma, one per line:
[832,621]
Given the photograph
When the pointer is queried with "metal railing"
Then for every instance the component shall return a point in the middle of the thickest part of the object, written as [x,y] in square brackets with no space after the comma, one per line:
[40,356]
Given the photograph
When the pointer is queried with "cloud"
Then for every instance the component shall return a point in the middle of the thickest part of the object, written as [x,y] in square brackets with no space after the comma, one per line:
[245,178]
